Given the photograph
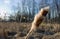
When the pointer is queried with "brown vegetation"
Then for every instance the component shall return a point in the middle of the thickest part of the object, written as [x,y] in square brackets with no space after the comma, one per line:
[3,34]
[48,30]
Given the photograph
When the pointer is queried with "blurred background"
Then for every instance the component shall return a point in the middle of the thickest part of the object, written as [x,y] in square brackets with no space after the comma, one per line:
[25,10]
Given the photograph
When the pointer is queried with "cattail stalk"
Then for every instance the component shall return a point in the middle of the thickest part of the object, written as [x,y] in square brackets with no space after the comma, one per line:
[38,20]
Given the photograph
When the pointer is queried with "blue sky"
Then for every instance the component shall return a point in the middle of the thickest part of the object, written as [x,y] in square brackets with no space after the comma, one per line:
[6,6]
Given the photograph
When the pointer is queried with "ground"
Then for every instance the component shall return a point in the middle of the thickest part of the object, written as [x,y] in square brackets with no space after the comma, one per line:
[45,30]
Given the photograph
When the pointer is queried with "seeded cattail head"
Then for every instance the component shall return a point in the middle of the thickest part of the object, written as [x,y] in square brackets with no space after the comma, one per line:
[44,11]
[40,16]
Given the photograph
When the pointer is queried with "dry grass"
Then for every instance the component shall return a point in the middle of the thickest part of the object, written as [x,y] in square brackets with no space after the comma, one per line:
[45,31]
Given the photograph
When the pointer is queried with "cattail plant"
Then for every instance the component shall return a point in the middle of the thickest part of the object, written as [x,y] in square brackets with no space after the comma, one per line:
[38,20]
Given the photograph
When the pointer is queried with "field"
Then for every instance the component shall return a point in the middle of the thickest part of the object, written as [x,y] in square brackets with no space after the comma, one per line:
[45,31]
